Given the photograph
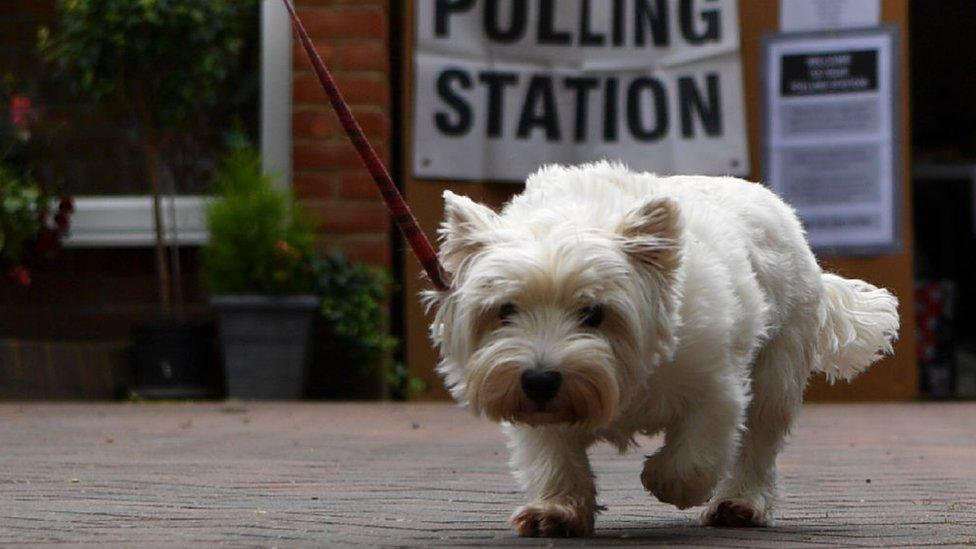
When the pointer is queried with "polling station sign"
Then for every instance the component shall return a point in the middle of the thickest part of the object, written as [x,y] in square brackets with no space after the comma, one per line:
[504,86]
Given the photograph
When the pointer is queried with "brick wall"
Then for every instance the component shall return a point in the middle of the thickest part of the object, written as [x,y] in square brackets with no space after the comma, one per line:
[84,296]
[66,335]
[84,304]
[72,136]
[93,294]
[334,187]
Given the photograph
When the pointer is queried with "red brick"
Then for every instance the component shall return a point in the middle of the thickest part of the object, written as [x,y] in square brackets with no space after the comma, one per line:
[325,48]
[313,124]
[127,290]
[323,156]
[51,287]
[373,250]
[325,125]
[381,3]
[357,185]
[337,192]
[376,125]
[360,55]
[345,22]
[371,55]
[371,89]
[349,217]
[306,89]
[315,185]
[309,157]
[327,3]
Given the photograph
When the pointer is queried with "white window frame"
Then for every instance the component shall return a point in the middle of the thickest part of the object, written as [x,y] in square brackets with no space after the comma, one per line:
[127,221]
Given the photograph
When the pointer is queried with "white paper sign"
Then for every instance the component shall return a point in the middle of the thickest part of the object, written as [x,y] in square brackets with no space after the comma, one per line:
[502,87]
[831,148]
[819,15]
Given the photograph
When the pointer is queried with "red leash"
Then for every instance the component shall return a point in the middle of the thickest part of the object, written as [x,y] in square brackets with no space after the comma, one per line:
[394,200]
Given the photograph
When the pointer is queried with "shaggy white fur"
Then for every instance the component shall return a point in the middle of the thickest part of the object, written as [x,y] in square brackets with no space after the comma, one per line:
[602,303]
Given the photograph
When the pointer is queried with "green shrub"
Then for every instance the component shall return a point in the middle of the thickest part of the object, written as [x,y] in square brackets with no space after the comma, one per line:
[258,241]
[163,62]
[165,59]
[30,230]
[353,304]
[21,206]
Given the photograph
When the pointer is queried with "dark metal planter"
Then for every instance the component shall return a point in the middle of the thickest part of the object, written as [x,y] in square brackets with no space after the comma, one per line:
[265,341]
[336,376]
[175,360]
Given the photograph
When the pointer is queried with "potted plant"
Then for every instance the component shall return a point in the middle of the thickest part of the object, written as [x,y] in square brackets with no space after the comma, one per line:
[31,227]
[351,335]
[30,231]
[160,66]
[258,267]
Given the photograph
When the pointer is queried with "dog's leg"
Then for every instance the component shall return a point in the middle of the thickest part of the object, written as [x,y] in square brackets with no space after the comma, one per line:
[699,444]
[550,463]
[746,496]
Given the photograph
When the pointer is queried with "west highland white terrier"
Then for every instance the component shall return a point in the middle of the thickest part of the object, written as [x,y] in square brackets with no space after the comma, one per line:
[600,304]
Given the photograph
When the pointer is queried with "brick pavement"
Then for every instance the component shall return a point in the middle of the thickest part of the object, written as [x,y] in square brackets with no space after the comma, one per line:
[315,474]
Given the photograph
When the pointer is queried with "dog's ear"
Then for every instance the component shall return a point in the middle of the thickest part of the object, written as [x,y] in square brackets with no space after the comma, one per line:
[652,234]
[465,230]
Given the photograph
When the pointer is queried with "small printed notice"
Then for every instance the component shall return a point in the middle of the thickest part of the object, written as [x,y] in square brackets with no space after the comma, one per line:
[831,141]
[823,15]
[503,87]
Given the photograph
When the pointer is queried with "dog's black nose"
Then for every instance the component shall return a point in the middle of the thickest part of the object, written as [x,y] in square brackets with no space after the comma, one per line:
[541,385]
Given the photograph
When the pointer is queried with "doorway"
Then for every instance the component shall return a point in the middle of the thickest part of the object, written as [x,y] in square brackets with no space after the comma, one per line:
[943,85]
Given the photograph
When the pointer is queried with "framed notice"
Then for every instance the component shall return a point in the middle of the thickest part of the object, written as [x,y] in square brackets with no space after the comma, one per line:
[503,87]
[822,15]
[832,136]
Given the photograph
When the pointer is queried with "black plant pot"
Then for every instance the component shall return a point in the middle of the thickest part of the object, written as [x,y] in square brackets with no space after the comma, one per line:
[175,360]
[336,376]
[265,342]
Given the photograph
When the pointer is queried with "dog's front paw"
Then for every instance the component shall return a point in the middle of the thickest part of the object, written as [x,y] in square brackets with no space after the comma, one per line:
[678,480]
[553,520]
[734,513]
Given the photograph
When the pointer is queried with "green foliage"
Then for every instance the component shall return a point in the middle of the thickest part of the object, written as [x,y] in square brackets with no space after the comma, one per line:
[404,385]
[21,205]
[353,303]
[258,241]
[17,122]
[167,57]
[260,244]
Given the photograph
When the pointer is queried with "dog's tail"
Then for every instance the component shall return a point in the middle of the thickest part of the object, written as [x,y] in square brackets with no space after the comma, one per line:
[858,323]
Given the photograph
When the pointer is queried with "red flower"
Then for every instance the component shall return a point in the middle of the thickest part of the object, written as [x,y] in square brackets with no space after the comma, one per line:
[286,249]
[67,204]
[61,220]
[48,243]
[20,275]
[20,110]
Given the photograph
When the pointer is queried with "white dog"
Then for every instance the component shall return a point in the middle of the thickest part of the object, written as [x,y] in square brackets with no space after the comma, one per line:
[602,303]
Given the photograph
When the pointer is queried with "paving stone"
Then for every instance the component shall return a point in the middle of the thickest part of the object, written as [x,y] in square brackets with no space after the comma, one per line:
[317,474]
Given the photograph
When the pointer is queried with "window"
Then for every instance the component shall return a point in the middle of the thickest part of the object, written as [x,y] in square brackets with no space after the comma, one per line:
[92,155]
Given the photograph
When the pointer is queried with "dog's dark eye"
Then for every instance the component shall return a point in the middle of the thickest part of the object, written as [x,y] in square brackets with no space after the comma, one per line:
[592,316]
[506,312]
